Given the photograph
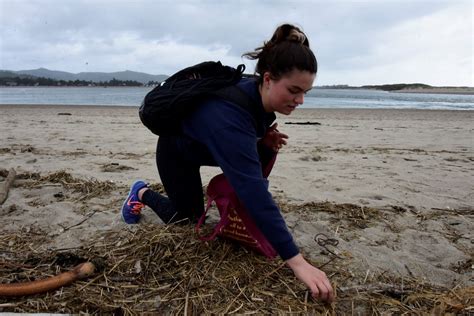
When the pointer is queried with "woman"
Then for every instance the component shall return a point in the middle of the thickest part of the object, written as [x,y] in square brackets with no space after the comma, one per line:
[221,133]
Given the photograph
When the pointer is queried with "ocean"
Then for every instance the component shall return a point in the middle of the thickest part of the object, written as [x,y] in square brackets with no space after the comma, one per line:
[317,98]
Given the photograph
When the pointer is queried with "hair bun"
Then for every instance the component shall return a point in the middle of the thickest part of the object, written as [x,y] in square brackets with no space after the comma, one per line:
[296,36]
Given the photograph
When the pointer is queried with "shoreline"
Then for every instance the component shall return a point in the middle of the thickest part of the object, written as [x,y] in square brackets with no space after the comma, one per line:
[434,90]
[455,91]
[102,106]
[459,91]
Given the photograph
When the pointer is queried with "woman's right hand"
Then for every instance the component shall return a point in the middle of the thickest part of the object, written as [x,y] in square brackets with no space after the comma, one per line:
[315,279]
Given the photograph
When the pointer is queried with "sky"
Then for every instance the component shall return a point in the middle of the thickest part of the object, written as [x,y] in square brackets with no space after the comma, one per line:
[355,42]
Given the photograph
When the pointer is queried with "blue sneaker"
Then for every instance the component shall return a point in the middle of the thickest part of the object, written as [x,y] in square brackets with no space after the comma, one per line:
[132,206]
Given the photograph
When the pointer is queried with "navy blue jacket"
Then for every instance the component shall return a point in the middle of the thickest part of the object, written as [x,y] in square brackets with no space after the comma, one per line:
[229,134]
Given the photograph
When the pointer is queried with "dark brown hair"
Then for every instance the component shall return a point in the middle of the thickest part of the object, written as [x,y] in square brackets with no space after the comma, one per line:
[288,49]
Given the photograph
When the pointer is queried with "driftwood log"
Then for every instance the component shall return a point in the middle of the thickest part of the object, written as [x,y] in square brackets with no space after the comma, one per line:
[5,186]
[81,271]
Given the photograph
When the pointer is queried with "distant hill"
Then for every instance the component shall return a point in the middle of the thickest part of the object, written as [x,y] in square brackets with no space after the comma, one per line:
[12,74]
[86,76]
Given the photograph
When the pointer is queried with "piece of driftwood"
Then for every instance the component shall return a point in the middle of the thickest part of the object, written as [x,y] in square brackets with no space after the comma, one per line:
[5,186]
[303,123]
[81,271]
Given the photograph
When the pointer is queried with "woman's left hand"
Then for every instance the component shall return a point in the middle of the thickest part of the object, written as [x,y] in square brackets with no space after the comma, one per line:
[274,139]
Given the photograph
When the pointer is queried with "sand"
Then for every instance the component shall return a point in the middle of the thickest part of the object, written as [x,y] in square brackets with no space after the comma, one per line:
[410,170]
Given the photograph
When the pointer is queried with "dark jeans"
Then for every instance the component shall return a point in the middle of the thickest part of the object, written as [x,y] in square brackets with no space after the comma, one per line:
[179,159]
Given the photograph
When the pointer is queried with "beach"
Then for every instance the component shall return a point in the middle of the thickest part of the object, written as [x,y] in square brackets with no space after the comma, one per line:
[393,187]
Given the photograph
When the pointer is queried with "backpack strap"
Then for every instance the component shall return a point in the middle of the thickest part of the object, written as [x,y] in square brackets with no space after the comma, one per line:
[237,96]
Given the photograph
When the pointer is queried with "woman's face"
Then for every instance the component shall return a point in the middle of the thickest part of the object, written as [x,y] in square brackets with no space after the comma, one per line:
[285,94]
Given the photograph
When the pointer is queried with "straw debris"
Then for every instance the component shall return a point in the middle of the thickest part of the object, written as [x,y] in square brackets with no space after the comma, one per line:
[88,188]
[166,269]
[356,216]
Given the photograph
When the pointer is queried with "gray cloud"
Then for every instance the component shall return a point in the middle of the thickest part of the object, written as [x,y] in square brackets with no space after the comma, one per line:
[356,42]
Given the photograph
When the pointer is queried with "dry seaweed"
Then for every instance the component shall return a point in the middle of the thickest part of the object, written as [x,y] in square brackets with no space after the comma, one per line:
[115,167]
[357,216]
[166,269]
[88,188]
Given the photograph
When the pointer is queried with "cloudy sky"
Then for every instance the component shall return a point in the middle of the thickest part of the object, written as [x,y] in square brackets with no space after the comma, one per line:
[356,42]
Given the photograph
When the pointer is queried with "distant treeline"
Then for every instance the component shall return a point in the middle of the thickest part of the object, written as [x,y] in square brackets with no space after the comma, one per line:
[39,81]
[398,86]
[384,87]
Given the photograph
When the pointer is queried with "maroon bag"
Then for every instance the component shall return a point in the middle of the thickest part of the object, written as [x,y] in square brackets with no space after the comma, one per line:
[235,223]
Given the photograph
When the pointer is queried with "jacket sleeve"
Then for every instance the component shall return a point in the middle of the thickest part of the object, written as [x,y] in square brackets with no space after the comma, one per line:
[235,150]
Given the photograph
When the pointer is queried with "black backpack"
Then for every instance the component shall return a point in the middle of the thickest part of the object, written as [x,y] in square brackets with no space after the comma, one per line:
[164,107]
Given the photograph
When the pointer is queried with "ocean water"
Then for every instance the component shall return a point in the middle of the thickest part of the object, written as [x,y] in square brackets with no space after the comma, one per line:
[317,98]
